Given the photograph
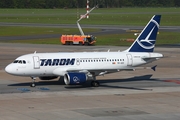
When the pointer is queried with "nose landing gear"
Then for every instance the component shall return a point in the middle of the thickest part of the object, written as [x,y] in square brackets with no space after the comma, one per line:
[33,82]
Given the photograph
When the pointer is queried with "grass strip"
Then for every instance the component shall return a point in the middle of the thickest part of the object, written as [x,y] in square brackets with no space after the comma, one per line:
[113,39]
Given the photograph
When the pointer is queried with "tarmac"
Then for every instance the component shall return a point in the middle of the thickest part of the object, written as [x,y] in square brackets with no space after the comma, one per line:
[127,95]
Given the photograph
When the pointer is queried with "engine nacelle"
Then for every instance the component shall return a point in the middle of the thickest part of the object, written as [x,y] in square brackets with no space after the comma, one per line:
[48,77]
[74,78]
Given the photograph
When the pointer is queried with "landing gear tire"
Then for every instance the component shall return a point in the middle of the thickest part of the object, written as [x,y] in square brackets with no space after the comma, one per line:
[80,43]
[33,82]
[70,43]
[95,84]
[86,43]
[66,43]
[32,85]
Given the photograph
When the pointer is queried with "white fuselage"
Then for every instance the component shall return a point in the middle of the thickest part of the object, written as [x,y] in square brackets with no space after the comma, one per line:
[57,64]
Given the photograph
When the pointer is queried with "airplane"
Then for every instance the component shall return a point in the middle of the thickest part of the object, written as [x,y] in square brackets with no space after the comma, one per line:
[79,67]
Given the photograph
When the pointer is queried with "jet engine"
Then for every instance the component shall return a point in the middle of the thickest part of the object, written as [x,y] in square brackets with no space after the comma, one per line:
[74,78]
[48,77]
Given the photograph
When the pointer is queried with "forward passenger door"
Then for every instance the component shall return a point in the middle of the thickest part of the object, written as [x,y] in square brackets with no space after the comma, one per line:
[36,62]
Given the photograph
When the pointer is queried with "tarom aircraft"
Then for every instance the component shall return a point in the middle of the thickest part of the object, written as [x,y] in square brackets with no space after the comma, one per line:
[79,67]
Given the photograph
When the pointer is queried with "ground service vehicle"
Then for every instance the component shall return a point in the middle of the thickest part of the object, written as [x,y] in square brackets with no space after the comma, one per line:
[79,39]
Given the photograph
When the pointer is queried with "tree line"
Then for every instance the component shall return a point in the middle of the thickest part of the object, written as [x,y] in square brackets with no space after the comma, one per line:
[82,3]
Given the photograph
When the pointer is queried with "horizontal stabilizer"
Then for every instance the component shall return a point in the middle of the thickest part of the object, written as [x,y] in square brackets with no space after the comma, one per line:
[154,67]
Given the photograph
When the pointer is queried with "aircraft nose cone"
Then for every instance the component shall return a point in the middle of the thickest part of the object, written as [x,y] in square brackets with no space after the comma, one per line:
[9,69]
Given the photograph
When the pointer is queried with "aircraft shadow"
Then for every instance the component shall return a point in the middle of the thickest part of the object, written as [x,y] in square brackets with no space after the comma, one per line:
[88,83]
[135,78]
[40,83]
[103,83]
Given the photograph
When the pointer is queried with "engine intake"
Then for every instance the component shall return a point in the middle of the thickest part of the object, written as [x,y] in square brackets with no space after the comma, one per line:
[74,78]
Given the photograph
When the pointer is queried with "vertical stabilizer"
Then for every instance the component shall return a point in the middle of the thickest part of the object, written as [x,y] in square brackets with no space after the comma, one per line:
[145,42]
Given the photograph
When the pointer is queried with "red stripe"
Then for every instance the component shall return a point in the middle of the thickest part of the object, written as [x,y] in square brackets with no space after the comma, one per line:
[174,81]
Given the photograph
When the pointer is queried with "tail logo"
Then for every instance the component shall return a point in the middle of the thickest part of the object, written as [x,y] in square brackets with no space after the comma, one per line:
[148,42]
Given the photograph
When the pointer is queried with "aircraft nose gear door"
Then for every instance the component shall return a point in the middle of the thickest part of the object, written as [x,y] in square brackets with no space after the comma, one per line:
[36,62]
[130,60]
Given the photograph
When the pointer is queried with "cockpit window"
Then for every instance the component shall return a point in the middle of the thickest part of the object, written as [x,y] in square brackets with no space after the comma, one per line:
[20,61]
[24,62]
[16,61]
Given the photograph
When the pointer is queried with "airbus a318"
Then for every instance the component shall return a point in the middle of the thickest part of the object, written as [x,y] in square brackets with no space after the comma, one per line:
[79,67]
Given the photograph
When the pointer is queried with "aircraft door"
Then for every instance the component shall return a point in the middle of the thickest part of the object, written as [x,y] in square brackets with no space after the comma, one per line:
[36,62]
[129,60]
[77,61]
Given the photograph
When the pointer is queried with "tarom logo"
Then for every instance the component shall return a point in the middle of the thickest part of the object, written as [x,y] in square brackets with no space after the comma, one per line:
[148,43]
[76,79]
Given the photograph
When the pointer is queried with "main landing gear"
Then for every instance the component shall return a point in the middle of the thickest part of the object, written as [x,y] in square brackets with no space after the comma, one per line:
[33,82]
[95,83]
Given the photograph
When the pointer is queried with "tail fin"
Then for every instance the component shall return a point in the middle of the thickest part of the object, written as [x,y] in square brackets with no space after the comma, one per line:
[145,42]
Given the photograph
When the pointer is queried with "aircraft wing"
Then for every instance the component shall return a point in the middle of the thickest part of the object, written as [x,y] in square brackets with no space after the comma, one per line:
[61,72]
[108,71]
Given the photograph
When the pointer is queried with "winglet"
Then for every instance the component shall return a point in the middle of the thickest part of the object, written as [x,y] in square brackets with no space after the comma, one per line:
[154,67]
